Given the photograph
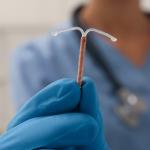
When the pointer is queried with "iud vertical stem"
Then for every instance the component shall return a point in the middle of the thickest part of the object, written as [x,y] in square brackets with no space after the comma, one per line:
[81,60]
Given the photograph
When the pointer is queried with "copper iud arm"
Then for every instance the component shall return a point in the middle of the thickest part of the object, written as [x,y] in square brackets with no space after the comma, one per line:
[83,47]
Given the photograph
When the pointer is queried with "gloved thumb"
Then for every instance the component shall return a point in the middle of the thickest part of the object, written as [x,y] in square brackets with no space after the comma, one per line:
[89,104]
[61,96]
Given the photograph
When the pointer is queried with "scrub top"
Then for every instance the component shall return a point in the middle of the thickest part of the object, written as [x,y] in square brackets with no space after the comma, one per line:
[46,59]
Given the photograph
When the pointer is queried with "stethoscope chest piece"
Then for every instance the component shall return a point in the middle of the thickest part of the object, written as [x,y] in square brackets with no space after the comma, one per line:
[130,108]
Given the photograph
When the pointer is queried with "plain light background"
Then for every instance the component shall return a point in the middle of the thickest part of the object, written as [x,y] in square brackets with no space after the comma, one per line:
[20,21]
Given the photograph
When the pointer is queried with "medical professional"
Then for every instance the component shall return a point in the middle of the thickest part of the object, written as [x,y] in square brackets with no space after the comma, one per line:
[120,71]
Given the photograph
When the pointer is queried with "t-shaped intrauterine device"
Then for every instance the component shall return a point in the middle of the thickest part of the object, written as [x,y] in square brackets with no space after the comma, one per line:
[83,47]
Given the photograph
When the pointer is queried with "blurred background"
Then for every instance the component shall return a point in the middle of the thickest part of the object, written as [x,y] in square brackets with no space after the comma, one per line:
[20,21]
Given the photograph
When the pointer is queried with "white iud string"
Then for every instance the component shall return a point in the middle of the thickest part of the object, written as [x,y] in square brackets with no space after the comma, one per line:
[83,47]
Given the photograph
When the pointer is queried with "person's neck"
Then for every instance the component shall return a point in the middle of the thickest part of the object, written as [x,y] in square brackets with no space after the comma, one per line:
[124,20]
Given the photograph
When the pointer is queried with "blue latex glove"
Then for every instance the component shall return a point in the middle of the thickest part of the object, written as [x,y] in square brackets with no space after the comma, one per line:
[50,120]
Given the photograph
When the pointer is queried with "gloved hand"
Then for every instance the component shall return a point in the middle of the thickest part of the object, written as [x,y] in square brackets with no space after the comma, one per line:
[61,116]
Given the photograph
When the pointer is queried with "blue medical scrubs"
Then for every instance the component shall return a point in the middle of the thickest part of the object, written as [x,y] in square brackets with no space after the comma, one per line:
[46,59]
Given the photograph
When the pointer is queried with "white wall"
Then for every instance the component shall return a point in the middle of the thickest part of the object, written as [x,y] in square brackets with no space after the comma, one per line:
[25,12]
[145,5]
[21,20]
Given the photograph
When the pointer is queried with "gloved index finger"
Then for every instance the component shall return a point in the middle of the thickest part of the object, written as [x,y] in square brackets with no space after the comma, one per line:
[59,97]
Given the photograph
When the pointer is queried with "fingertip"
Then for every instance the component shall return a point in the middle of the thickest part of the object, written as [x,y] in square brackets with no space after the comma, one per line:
[70,90]
[88,88]
[88,82]
[58,89]
[67,84]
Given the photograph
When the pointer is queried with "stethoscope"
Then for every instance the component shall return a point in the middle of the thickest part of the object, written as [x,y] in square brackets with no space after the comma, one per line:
[130,107]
